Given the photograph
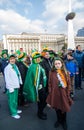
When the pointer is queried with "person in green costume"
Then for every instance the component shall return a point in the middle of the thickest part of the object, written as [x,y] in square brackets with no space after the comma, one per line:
[35,83]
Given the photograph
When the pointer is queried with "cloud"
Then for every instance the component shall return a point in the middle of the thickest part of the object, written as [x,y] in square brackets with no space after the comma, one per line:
[7,3]
[78,21]
[56,11]
[12,22]
[27,7]
[15,18]
[21,7]
[78,4]
[54,15]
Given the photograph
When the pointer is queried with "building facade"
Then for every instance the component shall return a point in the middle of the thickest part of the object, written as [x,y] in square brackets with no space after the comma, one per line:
[33,41]
[37,41]
[1,46]
[79,41]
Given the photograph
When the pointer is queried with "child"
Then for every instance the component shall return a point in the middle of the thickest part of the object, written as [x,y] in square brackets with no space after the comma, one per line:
[13,81]
[72,68]
[59,92]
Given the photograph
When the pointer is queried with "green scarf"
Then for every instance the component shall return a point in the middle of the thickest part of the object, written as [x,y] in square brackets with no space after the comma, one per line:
[39,69]
[16,70]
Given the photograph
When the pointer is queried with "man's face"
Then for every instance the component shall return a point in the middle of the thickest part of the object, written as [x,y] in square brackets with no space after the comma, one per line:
[47,55]
[5,55]
[12,60]
[79,48]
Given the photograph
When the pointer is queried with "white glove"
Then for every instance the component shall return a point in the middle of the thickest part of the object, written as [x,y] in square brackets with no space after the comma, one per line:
[40,87]
[11,90]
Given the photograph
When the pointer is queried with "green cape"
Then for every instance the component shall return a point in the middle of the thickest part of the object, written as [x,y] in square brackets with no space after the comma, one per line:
[30,86]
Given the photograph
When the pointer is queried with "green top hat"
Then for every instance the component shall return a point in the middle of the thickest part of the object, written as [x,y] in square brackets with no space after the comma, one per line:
[35,54]
[45,49]
[5,51]
[20,55]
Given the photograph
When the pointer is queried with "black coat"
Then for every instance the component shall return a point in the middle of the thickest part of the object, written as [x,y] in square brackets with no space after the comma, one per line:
[46,64]
[23,70]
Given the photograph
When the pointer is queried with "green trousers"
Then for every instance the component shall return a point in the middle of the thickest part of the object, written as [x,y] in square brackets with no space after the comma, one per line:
[13,101]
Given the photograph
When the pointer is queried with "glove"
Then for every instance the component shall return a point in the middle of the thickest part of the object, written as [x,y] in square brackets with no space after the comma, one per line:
[11,90]
[40,87]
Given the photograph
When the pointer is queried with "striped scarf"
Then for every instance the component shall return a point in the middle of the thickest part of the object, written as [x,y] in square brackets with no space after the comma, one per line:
[61,78]
[39,69]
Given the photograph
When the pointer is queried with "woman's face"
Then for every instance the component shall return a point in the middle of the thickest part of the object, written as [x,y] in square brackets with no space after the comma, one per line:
[38,60]
[58,64]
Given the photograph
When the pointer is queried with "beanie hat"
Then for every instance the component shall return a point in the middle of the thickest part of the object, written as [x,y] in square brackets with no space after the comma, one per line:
[12,56]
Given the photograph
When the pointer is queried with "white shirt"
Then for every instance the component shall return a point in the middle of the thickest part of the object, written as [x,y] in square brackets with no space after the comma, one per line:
[11,78]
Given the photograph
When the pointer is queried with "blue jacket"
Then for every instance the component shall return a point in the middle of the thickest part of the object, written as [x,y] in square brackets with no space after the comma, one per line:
[78,55]
[3,64]
[71,66]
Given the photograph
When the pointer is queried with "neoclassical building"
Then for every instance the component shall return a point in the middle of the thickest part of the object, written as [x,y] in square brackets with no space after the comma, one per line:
[29,41]
[1,46]
[80,41]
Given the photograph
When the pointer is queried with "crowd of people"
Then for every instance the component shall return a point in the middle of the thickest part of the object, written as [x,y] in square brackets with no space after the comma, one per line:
[47,78]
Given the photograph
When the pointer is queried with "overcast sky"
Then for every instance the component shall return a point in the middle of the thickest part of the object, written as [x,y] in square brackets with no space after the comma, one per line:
[39,16]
